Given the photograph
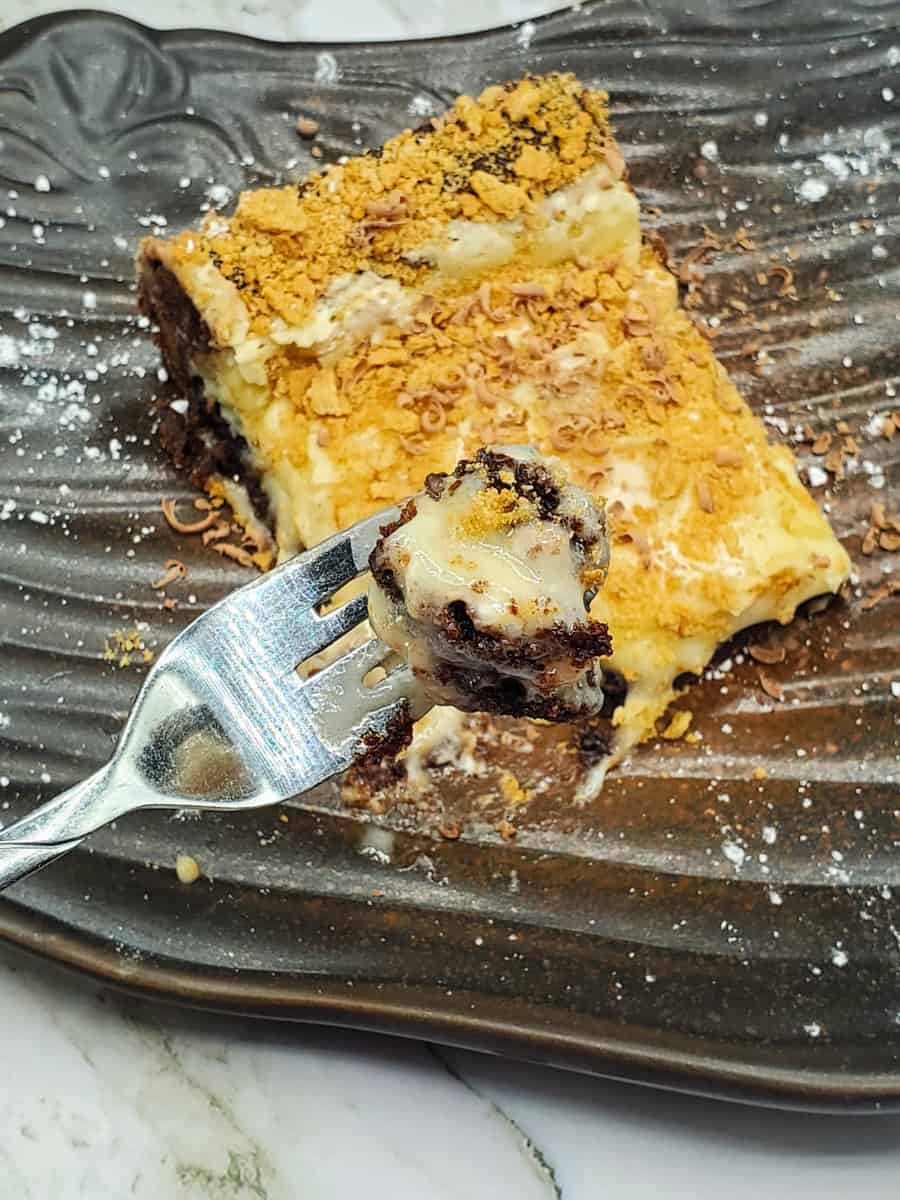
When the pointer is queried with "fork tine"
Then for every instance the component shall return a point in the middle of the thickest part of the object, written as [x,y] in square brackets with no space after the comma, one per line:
[349,670]
[315,575]
[273,619]
[333,625]
[343,707]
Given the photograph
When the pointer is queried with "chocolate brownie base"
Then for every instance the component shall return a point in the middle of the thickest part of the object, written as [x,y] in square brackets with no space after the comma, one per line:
[198,441]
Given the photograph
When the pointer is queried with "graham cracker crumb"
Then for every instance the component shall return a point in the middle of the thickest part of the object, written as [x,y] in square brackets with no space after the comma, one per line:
[307,127]
[491,159]
[678,725]
[187,868]
[126,647]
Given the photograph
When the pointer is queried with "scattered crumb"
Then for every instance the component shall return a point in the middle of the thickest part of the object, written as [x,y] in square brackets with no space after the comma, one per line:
[886,590]
[307,127]
[187,869]
[766,654]
[125,647]
[678,726]
[511,790]
[883,532]
[236,553]
[743,241]
[175,571]
[771,686]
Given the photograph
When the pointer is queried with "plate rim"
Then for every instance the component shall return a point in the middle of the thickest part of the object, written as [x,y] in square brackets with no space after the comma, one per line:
[327,1003]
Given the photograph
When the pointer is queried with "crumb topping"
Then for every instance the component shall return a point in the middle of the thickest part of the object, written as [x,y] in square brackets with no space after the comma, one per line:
[488,159]
[492,511]
[125,647]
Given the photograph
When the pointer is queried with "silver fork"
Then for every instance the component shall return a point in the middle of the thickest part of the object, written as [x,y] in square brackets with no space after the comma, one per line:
[224,721]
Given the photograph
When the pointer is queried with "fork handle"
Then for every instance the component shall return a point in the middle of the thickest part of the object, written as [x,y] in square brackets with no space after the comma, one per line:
[53,829]
[17,861]
[68,817]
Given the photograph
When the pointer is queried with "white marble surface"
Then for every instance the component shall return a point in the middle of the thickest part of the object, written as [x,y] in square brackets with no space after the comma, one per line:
[106,1097]
[313,20]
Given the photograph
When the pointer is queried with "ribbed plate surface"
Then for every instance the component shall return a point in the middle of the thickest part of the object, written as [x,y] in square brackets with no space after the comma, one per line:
[695,926]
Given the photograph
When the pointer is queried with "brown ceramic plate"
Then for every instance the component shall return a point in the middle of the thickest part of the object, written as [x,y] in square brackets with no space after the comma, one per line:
[696,926]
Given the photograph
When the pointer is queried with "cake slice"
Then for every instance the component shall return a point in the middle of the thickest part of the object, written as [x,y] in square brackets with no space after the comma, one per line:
[484,281]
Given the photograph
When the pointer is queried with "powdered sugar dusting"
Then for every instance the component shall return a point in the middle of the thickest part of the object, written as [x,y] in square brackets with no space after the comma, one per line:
[525,34]
[327,69]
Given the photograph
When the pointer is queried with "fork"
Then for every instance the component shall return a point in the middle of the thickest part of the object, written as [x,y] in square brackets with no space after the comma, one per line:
[224,720]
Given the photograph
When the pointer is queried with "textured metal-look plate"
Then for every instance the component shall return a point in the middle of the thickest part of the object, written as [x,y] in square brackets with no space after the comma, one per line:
[696,926]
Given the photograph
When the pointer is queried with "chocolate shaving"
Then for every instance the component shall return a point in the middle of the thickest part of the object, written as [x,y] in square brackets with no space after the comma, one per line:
[891,588]
[881,519]
[413,445]
[771,686]
[175,570]
[218,531]
[834,463]
[786,275]
[483,394]
[168,508]
[883,532]
[743,241]
[235,553]
[532,291]
[690,268]
[484,299]
[256,538]
[705,496]
[653,355]
[769,655]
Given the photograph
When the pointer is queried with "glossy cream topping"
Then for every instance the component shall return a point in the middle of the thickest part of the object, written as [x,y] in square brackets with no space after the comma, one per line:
[514,572]
[482,569]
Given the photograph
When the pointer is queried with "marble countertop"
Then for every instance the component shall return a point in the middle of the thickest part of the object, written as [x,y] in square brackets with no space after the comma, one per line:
[312,20]
[108,1096]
